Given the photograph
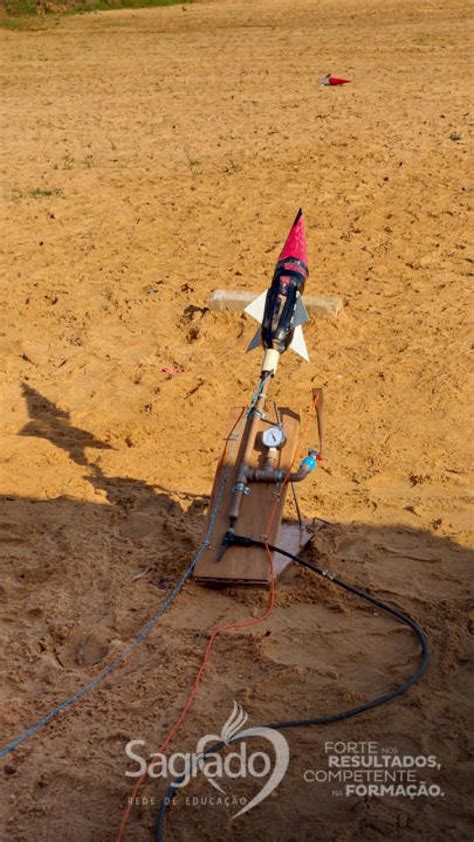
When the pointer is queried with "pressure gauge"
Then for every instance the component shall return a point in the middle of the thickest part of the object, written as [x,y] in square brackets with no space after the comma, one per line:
[274,436]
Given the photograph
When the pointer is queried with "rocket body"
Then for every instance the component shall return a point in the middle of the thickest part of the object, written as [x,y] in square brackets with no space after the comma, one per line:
[280,309]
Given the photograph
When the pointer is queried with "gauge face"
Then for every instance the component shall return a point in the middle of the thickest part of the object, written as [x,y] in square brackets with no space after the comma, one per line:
[274,437]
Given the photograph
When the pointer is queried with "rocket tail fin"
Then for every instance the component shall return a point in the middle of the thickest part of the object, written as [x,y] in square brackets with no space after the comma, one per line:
[298,343]
[255,342]
[256,308]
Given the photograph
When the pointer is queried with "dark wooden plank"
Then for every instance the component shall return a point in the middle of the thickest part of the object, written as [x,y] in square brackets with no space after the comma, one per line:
[247,565]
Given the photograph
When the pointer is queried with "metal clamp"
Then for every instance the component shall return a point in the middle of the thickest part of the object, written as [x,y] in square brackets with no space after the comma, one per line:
[241,487]
[259,412]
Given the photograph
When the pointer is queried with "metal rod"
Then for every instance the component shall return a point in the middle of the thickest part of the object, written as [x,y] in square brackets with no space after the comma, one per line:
[297,505]
[247,446]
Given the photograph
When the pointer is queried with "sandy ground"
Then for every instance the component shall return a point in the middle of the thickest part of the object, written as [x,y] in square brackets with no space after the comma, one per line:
[149,157]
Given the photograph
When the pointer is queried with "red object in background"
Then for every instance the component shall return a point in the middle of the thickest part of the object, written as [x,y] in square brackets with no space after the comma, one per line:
[333,80]
[336,80]
[169,370]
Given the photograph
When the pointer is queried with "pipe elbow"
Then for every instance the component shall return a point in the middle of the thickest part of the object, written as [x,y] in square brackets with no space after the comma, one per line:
[306,467]
[271,475]
[299,475]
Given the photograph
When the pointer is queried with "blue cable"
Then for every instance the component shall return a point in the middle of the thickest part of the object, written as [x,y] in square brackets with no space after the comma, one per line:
[257,393]
[98,678]
[145,631]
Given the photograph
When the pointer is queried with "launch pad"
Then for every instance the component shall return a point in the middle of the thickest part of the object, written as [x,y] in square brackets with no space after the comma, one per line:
[261,508]
[256,469]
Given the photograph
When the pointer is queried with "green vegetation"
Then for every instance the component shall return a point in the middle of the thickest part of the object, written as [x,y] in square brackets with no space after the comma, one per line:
[15,23]
[68,161]
[36,193]
[104,5]
[233,166]
[193,164]
[28,14]
[19,8]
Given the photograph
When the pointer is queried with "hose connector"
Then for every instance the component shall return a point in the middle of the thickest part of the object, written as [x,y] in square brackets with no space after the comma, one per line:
[310,462]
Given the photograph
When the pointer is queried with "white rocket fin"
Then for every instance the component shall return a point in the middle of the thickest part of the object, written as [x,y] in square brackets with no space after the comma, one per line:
[256,341]
[301,314]
[256,308]
[298,343]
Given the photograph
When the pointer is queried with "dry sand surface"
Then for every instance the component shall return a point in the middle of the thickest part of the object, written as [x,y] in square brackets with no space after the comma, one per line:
[149,157]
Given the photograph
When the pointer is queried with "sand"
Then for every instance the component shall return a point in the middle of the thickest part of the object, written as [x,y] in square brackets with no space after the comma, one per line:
[150,157]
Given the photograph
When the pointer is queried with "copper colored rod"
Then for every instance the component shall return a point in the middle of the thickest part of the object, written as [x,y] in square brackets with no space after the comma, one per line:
[246,451]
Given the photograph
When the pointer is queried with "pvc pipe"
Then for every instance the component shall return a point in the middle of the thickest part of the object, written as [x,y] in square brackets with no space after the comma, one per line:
[271,360]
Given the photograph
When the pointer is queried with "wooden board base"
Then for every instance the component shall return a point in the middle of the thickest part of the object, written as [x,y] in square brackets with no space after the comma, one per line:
[293,538]
[249,565]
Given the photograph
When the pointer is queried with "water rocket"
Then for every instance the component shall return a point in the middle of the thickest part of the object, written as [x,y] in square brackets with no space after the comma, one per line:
[280,310]
[257,467]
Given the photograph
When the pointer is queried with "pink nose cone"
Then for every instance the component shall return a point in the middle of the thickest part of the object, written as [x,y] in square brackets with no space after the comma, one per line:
[295,245]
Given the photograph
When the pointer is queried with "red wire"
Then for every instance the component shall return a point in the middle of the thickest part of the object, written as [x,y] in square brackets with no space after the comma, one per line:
[215,634]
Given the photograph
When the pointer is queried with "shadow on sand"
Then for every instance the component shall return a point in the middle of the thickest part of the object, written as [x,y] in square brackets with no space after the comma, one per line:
[80,579]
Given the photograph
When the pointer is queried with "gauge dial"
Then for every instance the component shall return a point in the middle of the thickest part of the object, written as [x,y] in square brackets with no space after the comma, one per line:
[274,436]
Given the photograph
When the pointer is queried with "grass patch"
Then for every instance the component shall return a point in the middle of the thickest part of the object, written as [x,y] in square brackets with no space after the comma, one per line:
[36,193]
[194,164]
[18,8]
[22,13]
[104,6]
[233,166]
[26,24]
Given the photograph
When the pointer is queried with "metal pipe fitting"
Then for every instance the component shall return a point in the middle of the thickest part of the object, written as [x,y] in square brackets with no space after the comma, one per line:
[271,475]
